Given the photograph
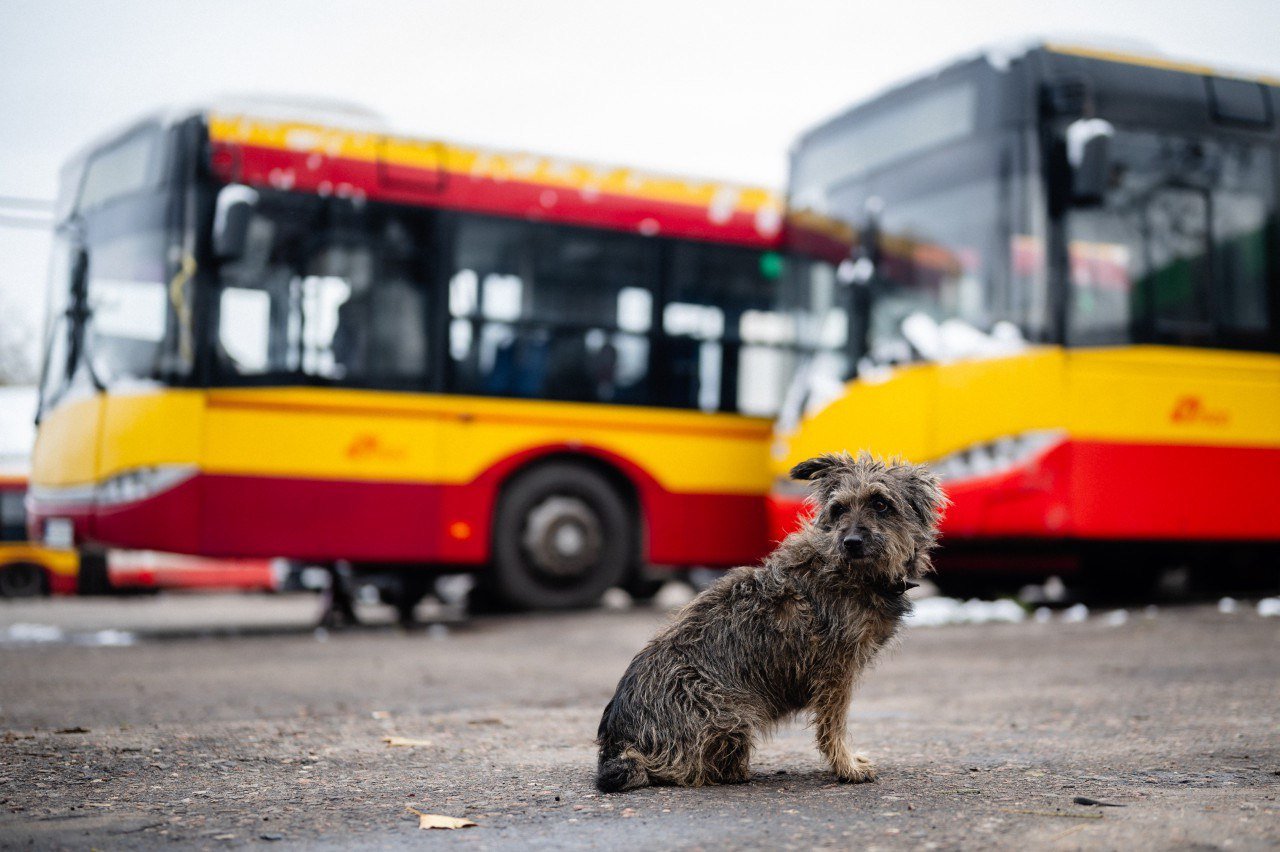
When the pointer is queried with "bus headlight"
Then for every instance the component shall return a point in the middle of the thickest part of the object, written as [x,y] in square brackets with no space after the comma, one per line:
[998,456]
[141,483]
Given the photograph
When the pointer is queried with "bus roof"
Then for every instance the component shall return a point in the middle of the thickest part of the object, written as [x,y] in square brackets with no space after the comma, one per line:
[1000,58]
[306,156]
[1156,61]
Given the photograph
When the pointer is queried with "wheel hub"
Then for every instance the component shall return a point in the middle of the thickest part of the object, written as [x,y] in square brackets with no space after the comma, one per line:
[562,536]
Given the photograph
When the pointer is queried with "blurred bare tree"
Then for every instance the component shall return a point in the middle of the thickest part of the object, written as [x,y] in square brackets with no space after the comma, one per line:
[17,348]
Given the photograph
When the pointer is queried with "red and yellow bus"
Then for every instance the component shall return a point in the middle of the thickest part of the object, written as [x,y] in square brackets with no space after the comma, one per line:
[304,337]
[1063,291]
[29,569]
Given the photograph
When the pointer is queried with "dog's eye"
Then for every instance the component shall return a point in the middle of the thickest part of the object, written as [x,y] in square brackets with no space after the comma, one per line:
[880,507]
[838,511]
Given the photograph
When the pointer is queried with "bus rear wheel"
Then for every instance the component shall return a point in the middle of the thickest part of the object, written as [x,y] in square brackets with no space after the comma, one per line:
[22,580]
[562,537]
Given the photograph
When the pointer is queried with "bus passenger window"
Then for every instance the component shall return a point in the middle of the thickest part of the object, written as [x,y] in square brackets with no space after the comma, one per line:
[727,341]
[552,312]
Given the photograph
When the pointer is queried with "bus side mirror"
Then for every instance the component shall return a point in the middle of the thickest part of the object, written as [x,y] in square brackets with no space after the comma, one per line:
[231,219]
[1089,154]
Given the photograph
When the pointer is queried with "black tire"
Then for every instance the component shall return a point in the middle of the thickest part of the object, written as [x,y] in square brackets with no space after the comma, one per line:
[562,536]
[23,580]
[94,578]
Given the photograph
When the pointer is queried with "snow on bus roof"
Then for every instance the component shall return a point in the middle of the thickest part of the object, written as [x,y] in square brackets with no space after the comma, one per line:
[336,158]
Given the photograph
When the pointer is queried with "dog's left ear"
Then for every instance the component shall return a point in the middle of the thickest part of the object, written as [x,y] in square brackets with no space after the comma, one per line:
[817,467]
[923,492]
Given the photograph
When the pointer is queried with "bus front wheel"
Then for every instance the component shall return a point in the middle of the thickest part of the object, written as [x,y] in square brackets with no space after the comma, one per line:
[562,537]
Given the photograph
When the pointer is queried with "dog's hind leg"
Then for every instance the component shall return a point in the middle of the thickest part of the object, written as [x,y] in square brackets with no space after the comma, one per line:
[728,758]
[831,707]
[624,772]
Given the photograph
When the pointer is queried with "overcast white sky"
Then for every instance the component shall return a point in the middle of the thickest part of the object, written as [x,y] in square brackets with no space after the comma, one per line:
[708,88]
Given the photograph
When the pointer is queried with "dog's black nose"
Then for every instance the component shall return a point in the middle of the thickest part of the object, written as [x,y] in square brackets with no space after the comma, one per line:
[852,544]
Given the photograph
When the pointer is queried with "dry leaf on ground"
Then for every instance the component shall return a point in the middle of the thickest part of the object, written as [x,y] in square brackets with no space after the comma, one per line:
[404,742]
[438,821]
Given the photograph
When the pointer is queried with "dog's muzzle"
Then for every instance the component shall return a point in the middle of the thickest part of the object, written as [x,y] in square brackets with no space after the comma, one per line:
[853,546]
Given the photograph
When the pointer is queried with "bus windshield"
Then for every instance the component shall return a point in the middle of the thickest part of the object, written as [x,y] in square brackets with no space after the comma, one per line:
[937,235]
[1178,250]
[119,288]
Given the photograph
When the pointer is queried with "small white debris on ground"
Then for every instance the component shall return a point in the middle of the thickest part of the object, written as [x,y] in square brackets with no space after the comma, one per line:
[1076,614]
[934,612]
[1227,605]
[1269,607]
[1043,615]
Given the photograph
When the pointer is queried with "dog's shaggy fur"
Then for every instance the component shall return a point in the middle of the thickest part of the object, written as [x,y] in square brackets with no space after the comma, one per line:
[765,642]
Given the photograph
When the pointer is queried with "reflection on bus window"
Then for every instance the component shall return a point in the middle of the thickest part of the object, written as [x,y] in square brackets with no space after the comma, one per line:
[938,257]
[1177,252]
[128,302]
[542,311]
[127,167]
[337,303]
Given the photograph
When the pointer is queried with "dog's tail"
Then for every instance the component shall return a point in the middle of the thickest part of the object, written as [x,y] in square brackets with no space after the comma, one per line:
[620,773]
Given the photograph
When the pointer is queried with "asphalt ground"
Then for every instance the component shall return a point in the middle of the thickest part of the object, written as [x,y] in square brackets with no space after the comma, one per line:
[226,721]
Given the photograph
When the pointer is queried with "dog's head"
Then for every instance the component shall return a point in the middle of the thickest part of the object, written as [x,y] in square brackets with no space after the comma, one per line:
[876,518]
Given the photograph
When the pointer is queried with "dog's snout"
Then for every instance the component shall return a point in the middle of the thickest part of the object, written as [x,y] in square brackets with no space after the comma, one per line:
[852,544]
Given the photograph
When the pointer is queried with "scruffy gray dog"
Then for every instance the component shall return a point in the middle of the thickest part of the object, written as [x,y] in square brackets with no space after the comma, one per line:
[765,642]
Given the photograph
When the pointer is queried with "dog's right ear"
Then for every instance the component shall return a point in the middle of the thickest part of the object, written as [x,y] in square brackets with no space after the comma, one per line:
[815,468]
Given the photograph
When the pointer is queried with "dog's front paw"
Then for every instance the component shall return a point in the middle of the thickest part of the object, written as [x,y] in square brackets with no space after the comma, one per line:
[856,770]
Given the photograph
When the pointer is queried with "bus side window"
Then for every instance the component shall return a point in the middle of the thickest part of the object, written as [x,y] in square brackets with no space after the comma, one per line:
[548,311]
[730,347]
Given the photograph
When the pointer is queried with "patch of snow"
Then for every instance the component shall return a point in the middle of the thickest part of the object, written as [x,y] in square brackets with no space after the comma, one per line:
[954,339]
[1076,614]
[1052,591]
[723,203]
[32,634]
[1117,617]
[48,634]
[1043,615]
[107,639]
[935,612]
[673,595]
[1269,607]
[616,599]
[1228,606]
[768,220]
